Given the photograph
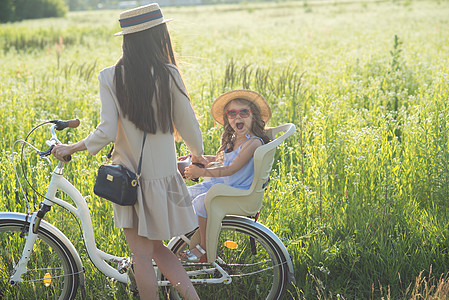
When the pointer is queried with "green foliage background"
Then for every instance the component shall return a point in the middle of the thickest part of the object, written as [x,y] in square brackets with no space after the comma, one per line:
[16,10]
[358,194]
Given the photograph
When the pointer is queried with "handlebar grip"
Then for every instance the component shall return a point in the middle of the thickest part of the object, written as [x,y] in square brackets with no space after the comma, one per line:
[60,125]
[73,123]
[68,158]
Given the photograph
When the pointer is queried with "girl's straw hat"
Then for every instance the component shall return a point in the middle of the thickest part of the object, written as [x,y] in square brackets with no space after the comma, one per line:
[141,18]
[219,104]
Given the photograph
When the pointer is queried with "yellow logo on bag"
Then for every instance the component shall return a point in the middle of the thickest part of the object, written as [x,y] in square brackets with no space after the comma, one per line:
[110,177]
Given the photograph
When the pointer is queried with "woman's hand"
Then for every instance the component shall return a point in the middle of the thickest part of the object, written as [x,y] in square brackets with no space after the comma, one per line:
[205,160]
[199,159]
[192,172]
[62,151]
[211,160]
[184,157]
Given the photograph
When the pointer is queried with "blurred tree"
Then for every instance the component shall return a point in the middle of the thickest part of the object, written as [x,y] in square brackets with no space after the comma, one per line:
[76,4]
[88,4]
[6,10]
[16,10]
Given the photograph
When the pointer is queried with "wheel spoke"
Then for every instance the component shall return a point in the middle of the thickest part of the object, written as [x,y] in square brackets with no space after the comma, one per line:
[51,272]
[257,268]
[52,277]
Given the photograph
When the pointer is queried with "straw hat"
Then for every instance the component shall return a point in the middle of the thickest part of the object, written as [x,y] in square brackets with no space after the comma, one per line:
[219,104]
[141,18]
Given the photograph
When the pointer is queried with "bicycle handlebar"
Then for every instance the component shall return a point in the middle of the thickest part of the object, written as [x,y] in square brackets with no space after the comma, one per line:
[59,125]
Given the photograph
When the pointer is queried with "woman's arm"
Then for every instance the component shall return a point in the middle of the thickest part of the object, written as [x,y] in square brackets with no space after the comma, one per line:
[105,131]
[184,117]
[210,158]
[203,159]
[242,159]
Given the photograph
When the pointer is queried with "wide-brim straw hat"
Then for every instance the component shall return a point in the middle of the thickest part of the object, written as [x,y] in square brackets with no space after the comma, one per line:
[220,103]
[141,18]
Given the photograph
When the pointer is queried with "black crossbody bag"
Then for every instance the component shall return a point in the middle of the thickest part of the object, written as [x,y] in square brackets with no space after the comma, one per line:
[118,184]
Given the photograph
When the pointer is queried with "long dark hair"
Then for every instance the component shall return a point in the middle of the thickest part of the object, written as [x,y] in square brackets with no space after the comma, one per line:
[228,136]
[142,76]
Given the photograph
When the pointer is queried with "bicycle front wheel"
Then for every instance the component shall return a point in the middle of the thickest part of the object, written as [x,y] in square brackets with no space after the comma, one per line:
[51,271]
[250,256]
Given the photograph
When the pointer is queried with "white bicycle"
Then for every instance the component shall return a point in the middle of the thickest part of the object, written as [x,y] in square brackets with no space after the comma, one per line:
[39,262]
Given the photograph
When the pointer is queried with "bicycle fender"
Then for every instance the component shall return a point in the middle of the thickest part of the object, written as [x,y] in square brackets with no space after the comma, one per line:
[56,232]
[274,237]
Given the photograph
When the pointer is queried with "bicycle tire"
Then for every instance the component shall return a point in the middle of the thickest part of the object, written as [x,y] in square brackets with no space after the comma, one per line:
[267,279]
[49,256]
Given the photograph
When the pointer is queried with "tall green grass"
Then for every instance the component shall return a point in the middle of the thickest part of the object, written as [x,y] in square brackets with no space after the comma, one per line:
[358,194]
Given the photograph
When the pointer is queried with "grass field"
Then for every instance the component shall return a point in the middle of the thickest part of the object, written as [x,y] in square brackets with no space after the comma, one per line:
[359,194]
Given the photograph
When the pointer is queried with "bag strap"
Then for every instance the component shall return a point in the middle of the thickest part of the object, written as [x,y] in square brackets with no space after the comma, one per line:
[139,168]
[109,155]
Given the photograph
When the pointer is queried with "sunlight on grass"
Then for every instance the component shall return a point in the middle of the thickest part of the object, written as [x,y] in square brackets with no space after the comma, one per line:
[358,195]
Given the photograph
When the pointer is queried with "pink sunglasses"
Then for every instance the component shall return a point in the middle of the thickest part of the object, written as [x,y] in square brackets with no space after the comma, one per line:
[243,113]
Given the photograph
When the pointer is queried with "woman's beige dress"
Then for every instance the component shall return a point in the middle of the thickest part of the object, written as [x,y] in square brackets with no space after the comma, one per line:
[163,207]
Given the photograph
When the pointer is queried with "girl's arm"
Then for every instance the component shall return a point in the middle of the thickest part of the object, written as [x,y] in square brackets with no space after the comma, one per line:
[242,159]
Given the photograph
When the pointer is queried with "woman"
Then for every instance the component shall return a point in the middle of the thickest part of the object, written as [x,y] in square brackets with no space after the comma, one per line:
[144,92]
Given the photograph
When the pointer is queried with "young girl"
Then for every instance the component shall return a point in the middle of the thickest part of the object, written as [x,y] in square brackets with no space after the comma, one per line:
[243,114]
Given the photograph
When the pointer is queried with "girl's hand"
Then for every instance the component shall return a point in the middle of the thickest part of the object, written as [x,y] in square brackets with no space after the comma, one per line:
[192,172]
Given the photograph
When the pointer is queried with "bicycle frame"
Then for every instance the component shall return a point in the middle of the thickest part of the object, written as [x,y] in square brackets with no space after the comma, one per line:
[98,257]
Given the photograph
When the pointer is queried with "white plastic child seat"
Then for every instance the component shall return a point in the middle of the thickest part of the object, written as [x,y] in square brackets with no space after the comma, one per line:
[222,199]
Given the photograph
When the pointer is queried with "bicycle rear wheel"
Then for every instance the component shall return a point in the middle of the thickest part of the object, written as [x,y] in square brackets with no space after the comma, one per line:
[52,271]
[253,259]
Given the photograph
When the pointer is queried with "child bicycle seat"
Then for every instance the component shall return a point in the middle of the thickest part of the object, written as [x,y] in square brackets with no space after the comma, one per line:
[222,199]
